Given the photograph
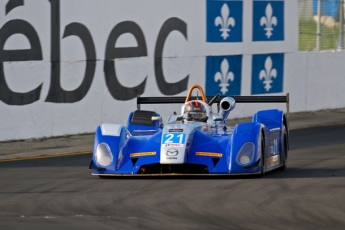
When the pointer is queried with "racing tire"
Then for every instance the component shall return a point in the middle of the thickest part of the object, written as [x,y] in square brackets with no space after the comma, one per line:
[262,162]
[284,151]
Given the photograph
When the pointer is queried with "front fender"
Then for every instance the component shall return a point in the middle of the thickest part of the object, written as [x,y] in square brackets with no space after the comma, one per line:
[115,136]
[244,133]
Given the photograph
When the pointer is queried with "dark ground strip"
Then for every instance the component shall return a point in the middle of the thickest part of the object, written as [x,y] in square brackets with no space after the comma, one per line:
[60,193]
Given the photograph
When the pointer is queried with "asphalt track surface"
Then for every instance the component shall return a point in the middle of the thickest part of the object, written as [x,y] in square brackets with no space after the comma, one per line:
[60,193]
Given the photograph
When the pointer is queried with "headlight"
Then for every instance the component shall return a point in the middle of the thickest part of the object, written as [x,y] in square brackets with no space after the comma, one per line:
[103,154]
[246,154]
[244,159]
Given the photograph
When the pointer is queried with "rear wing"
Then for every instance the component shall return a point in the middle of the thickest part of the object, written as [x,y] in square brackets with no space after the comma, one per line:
[238,99]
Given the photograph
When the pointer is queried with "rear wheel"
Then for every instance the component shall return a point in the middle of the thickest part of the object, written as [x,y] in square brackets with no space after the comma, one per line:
[284,151]
[262,164]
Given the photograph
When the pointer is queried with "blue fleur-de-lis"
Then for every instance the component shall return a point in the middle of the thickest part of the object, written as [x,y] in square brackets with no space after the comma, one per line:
[224,76]
[269,21]
[224,21]
[268,73]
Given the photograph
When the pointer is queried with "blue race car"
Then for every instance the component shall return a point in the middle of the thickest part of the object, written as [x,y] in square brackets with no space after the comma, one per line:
[197,141]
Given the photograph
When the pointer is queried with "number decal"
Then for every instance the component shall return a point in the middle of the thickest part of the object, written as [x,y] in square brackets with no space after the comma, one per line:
[181,138]
[173,138]
[169,138]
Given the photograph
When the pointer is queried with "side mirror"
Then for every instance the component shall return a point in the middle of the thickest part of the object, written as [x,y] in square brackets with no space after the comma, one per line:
[217,118]
[156,118]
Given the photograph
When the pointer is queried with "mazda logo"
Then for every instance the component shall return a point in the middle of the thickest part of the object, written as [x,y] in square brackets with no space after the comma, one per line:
[172,152]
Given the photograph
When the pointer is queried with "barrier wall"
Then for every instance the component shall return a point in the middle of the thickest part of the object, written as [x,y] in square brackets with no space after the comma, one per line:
[74,64]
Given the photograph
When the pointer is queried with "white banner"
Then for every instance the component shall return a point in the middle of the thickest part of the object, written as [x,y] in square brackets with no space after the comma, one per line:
[68,65]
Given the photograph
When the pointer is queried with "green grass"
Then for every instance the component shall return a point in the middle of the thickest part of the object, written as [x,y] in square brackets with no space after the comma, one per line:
[307,36]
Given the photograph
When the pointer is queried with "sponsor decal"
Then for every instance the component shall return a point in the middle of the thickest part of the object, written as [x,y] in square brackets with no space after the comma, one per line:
[274,160]
[173,145]
[208,154]
[142,154]
[267,73]
[172,154]
[176,130]
[172,158]
[274,147]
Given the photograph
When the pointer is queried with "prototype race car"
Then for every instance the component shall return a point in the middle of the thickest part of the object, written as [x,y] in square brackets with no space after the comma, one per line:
[197,141]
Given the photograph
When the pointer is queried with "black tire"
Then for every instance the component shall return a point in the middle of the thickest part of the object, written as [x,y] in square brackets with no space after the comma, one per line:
[262,163]
[285,151]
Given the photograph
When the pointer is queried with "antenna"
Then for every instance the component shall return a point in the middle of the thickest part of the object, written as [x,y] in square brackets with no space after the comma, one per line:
[197,95]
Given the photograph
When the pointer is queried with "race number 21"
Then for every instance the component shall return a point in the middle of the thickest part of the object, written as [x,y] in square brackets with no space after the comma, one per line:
[173,138]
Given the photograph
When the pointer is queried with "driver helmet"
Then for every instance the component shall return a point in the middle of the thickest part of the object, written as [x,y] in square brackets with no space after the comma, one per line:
[194,111]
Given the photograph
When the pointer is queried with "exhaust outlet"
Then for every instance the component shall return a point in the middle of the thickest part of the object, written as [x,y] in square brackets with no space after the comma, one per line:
[227,104]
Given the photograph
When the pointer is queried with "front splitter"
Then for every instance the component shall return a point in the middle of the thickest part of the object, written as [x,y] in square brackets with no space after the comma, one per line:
[173,175]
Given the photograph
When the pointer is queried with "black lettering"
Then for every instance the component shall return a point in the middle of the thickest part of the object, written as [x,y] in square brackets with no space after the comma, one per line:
[168,88]
[34,53]
[56,93]
[118,91]
[53,94]
[11,4]
[59,95]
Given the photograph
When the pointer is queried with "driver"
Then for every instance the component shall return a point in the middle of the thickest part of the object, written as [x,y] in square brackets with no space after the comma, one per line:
[194,111]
